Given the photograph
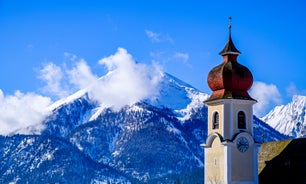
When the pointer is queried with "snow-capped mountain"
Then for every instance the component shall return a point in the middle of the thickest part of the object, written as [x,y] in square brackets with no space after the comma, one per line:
[289,119]
[152,141]
[43,159]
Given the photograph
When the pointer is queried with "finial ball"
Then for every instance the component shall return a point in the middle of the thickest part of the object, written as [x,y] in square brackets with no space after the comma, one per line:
[229,22]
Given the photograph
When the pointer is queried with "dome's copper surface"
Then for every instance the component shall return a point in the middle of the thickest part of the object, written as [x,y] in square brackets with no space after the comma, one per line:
[230,79]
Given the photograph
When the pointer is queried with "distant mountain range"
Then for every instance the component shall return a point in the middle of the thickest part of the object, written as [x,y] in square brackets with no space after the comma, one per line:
[152,141]
[289,119]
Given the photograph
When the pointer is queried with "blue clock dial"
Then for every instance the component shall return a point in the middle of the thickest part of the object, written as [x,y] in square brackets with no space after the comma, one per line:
[242,144]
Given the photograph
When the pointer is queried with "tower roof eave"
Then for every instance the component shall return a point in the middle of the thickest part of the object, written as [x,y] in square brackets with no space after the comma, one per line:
[223,94]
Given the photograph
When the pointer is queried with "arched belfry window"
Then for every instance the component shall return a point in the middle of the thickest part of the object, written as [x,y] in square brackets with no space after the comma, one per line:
[241,120]
[215,122]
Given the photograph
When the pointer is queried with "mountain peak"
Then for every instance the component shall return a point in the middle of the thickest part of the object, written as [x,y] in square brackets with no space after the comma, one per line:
[150,141]
[172,93]
[289,119]
[298,99]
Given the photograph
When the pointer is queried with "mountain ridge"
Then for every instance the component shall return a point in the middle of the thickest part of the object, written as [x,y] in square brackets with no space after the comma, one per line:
[289,119]
[151,141]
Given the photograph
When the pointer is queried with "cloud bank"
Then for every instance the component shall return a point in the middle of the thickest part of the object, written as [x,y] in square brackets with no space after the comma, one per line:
[22,113]
[52,75]
[267,96]
[125,83]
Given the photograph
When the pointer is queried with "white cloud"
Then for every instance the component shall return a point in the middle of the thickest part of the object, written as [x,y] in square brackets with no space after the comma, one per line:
[22,113]
[180,55]
[292,90]
[62,81]
[267,96]
[70,56]
[154,37]
[53,76]
[171,59]
[81,75]
[127,81]
[158,37]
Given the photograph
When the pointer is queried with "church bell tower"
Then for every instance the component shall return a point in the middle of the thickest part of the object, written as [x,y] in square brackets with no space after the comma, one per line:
[230,149]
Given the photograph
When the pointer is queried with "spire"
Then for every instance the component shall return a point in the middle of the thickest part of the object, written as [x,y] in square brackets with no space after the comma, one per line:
[230,26]
[230,79]
[229,48]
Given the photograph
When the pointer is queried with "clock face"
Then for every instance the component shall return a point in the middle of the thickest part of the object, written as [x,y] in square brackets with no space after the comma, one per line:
[242,144]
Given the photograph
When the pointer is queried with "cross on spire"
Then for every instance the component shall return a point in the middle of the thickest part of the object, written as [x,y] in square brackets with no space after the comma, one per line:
[230,25]
[229,47]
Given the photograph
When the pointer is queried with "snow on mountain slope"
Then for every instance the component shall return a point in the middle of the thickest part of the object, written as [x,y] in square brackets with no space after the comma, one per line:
[176,94]
[45,159]
[179,96]
[164,132]
[265,133]
[142,141]
[289,119]
[69,99]
[153,140]
[173,94]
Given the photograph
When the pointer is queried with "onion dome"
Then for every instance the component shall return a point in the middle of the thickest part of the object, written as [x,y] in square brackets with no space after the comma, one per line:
[230,79]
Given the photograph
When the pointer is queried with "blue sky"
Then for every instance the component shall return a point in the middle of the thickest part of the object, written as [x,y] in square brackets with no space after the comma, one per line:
[183,37]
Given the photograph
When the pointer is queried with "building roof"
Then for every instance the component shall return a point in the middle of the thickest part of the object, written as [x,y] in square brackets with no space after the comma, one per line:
[269,150]
[229,48]
[282,162]
[230,79]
